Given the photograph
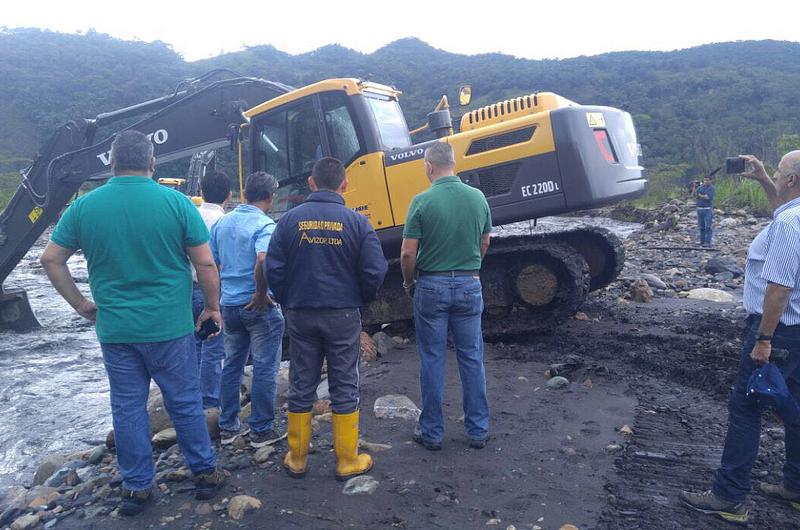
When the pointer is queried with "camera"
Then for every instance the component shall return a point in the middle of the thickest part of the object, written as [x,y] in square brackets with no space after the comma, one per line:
[734,165]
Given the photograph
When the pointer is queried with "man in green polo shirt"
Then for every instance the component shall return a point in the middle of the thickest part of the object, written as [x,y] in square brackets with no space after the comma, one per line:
[445,238]
[138,239]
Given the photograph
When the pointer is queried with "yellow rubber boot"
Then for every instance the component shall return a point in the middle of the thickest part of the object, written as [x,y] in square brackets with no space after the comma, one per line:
[298,438]
[345,443]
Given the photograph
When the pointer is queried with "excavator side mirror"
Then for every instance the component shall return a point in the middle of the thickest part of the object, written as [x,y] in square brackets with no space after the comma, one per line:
[464,95]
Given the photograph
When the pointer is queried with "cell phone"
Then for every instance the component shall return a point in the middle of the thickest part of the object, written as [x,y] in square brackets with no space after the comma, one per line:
[207,328]
[734,165]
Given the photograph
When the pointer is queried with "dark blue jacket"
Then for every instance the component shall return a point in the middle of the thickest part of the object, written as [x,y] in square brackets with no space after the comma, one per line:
[324,255]
[708,191]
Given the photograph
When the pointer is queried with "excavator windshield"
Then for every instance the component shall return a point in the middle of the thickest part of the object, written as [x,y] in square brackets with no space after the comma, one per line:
[390,120]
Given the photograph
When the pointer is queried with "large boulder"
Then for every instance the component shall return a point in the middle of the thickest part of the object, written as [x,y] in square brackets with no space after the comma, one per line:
[710,295]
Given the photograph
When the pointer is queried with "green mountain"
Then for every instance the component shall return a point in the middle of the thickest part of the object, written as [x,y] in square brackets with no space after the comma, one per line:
[691,107]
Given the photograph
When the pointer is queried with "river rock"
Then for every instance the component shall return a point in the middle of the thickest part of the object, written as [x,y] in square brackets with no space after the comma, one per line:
[203,508]
[557,382]
[653,281]
[244,414]
[323,390]
[12,503]
[373,447]
[65,474]
[41,496]
[165,438]
[110,440]
[242,504]
[383,343]
[247,380]
[97,454]
[369,351]
[320,407]
[48,466]
[263,454]
[728,222]
[25,522]
[212,422]
[364,484]
[723,276]
[710,295]
[640,291]
[395,406]
[159,417]
[719,264]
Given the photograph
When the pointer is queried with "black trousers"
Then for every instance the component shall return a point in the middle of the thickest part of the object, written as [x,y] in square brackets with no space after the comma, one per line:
[315,335]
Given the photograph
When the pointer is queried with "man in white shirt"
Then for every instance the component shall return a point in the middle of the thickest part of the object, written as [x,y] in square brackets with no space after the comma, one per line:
[215,189]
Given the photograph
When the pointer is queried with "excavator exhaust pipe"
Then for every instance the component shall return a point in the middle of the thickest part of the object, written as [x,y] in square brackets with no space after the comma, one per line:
[16,313]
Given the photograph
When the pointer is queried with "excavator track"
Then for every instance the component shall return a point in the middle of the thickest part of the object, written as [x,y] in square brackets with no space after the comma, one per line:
[531,283]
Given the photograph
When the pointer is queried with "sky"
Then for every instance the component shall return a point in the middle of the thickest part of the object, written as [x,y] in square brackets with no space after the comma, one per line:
[529,29]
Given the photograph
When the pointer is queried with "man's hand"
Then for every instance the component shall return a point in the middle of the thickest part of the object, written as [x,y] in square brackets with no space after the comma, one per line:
[213,314]
[87,310]
[260,303]
[756,171]
[409,289]
[761,352]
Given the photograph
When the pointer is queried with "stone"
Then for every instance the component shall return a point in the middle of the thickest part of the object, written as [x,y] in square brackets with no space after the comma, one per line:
[362,485]
[263,454]
[110,440]
[626,430]
[203,508]
[728,223]
[613,449]
[159,417]
[165,438]
[212,422]
[242,504]
[244,414]
[568,527]
[48,466]
[323,391]
[97,454]
[396,406]
[580,315]
[719,264]
[12,504]
[710,295]
[557,382]
[369,351]
[640,291]
[66,474]
[320,407]
[653,281]
[247,380]
[41,496]
[383,343]
[724,276]
[373,447]
[25,522]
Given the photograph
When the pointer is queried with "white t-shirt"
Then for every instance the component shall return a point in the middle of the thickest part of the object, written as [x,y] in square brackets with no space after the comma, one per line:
[210,213]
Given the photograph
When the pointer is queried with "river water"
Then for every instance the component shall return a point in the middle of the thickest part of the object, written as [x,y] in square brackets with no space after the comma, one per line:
[53,387]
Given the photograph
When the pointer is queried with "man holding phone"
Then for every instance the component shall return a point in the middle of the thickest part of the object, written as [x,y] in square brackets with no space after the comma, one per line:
[253,322]
[772,302]
[136,236]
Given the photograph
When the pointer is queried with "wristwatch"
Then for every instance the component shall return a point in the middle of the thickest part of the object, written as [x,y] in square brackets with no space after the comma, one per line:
[764,338]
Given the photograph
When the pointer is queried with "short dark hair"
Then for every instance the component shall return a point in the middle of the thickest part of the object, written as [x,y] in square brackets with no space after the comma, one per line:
[328,173]
[260,186]
[131,151]
[215,187]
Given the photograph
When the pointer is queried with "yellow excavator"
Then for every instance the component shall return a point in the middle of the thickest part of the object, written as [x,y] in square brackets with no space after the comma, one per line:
[532,156]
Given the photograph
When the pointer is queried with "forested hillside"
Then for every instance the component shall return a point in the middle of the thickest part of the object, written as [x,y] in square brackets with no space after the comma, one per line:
[692,107]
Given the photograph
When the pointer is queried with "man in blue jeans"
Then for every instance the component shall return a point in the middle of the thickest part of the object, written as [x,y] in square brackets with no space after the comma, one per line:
[215,189]
[253,322]
[136,236]
[445,238]
[772,301]
[704,195]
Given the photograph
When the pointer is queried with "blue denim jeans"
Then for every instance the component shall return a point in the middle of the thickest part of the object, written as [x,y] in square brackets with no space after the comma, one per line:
[732,479]
[210,354]
[259,333]
[704,221]
[442,302]
[173,367]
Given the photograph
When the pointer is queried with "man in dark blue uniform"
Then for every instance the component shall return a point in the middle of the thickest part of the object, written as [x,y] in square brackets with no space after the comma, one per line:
[323,264]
